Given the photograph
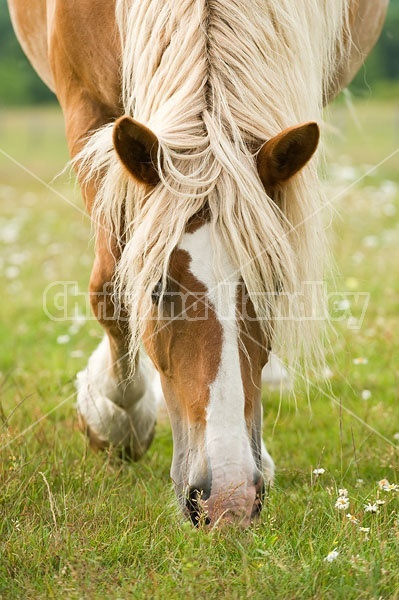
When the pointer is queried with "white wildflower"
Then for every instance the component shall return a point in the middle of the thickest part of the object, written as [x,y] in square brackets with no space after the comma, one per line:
[391,487]
[342,304]
[63,339]
[364,529]
[372,508]
[383,483]
[360,360]
[342,503]
[352,518]
[319,471]
[12,272]
[366,395]
[16,524]
[331,556]
[352,323]
[370,241]
[78,322]
[343,492]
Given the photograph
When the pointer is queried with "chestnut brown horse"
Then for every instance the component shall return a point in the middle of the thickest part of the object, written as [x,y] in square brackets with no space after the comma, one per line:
[191,124]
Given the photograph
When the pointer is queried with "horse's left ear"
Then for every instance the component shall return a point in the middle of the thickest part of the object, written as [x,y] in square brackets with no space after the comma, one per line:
[137,147]
[281,157]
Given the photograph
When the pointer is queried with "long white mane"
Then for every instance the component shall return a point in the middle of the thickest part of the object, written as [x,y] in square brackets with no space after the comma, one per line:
[214,79]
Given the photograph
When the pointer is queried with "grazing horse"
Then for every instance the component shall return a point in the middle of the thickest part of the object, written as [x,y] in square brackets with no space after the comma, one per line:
[191,125]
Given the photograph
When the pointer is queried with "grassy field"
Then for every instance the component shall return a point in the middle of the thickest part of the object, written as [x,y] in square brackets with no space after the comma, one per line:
[75,524]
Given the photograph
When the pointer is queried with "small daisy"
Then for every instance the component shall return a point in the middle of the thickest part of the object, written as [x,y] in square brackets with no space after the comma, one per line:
[16,524]
[331,556]
[318,472]
[359,482]
[343,492]
[366,395]
[391,487]
[372,508]
[360,360]
[342,503]
[383,483]
[364,529]
[11,272]
[342,305]
[352,519]
[379,502]
[396,436]
[63,339]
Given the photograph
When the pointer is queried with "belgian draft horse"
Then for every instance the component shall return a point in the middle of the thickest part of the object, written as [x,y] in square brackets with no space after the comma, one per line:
[191,125]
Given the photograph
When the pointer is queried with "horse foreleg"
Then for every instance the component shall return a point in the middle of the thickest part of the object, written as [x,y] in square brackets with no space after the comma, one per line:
[117,405]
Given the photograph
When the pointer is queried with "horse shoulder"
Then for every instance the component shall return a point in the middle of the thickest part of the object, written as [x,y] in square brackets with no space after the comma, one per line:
[366,21]
[74,46]
[84,50]
[367,25]
[29,20]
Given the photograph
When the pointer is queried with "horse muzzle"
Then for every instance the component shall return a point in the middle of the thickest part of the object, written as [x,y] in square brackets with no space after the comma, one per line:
[236,503]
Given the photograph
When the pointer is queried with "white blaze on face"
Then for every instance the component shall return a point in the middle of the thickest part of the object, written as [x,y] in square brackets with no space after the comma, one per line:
[227,445]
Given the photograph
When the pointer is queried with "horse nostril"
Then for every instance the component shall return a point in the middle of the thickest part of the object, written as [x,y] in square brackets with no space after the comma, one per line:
[260,495]
[257,507]
[196,512]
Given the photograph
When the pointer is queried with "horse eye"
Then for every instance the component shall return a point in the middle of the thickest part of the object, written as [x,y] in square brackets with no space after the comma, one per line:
[156,293]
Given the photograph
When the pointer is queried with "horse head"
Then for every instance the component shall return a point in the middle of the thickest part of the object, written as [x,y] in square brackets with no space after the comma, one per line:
[203,336]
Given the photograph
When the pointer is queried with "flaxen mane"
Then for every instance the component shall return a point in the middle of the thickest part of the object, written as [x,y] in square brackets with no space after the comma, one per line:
[214,79]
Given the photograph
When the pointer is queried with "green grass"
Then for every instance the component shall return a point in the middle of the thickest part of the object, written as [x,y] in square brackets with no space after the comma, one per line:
[75,524]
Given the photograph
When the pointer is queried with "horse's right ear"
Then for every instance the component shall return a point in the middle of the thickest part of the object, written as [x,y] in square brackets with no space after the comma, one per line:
[137,147]
[284,155]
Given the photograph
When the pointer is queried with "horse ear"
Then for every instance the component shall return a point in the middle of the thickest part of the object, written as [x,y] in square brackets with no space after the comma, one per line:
[281,157]
[137,147]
